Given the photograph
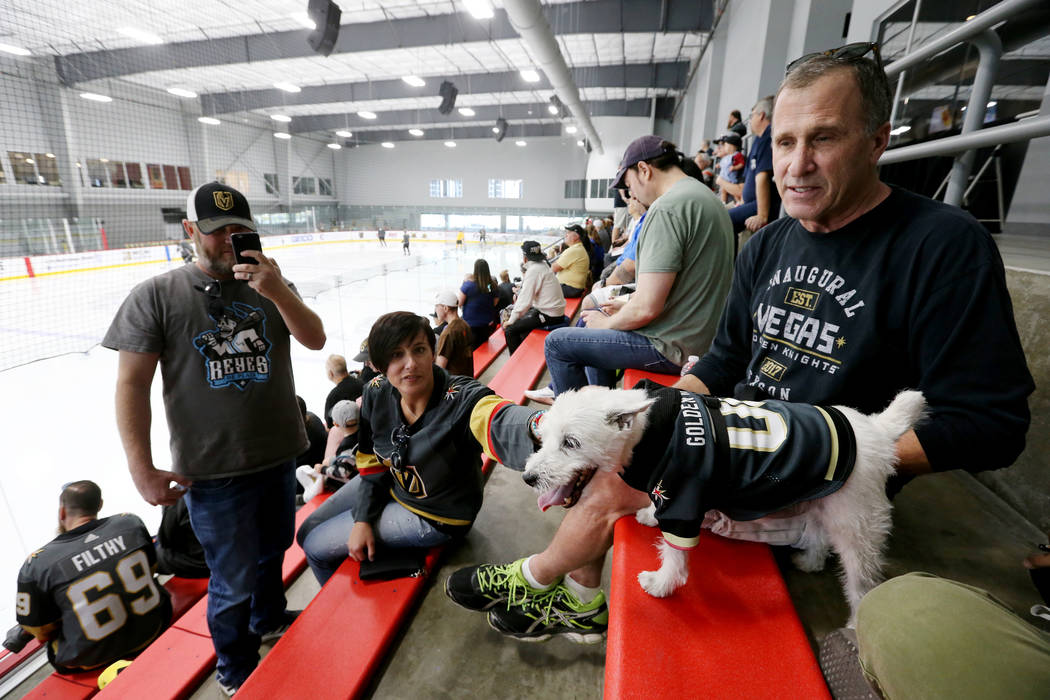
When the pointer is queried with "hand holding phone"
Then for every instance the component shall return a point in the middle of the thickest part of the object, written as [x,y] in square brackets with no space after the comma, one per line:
[242,242]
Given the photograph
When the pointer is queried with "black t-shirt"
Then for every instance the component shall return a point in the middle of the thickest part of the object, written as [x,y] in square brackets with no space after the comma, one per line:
[910,295]
[318,437]
[96,582]
[348,389]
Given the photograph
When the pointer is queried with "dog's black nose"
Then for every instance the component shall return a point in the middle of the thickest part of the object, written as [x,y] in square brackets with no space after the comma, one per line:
[529,479]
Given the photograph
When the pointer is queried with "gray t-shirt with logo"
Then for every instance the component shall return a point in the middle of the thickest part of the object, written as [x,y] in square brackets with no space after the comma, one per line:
[229,394]
[687,231]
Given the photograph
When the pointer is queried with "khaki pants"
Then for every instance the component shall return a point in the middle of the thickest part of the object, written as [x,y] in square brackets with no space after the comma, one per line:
[921,636]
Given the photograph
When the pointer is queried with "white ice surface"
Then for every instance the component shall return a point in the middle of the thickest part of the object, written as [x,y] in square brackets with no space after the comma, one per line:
[56,415]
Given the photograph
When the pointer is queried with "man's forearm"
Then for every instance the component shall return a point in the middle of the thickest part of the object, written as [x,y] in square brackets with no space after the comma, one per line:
[763,183]
[912,458]
[622,274]
[691,382]
[304,325]
[134,416]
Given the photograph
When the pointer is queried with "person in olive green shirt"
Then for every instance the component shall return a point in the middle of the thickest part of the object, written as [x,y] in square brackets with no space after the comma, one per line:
[684,270]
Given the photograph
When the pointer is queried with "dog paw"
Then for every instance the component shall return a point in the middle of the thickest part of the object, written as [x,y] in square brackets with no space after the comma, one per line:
[646,516]
[654,584]
[810,560]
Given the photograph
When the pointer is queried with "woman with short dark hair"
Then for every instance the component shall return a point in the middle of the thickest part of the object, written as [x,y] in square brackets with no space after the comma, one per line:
[421,433]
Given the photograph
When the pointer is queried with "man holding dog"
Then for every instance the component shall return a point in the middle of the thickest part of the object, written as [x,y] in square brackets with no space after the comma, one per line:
[863,290]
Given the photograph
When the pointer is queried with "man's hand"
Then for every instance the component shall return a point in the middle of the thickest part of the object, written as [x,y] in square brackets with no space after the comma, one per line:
[594,319]
[153,486]
[264,276]
[754,223]
[362,542]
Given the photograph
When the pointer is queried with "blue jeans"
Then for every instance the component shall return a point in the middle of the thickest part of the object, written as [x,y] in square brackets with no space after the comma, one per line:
[323,535]
[245,523]
[577,357]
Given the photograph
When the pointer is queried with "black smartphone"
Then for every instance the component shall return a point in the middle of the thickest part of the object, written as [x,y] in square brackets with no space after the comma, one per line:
[242,242]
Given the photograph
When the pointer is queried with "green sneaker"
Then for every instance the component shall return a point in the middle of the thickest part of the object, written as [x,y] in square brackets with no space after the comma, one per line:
[555,611]
[487,585]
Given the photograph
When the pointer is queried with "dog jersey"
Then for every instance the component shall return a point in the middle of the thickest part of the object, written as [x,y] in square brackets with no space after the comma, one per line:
[96,583]
[745,458]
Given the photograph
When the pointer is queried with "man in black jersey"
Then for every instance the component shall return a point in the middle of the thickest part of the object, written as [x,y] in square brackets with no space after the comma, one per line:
[90,592]
[861,291]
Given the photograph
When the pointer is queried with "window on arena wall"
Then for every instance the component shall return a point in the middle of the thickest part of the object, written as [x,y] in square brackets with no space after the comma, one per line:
[272,183]
[134,171]
[575,189]
[513,223]
[506,189]
[304,185]
[185,182]
[3,175]
[542,223]
[116,173]
[171,179]
[47,167]
[22,166]
[432,221]
[324,186]
[237,179]
[473,222]
[446,188]
[97,176]
[156,176]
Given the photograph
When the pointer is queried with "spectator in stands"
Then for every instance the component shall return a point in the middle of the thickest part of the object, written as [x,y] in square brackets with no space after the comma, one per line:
[419,453]
[572,266]
[179,552]
[235,425]
[540,302]
[684,264]
[369,370]
[337,464]
[348,385]
[478,298]
[597,257]
[90,594]
[730,166]
[316,433]
[704,162]
[863,291]
[620,221]
[604,232]
[454,343]
[506,291]
[736,124]
[759,198]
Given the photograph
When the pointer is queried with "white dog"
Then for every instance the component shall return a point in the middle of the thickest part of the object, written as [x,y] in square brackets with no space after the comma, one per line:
[744,458]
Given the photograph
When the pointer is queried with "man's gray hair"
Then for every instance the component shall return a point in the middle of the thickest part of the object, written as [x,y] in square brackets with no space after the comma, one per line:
[871,81]
[765,105]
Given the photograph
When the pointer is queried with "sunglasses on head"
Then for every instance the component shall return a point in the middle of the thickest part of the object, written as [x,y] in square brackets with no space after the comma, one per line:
[213,290]
[400,440]
[849,52]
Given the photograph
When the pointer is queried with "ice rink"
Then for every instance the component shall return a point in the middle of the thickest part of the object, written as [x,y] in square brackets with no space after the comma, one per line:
[57,414]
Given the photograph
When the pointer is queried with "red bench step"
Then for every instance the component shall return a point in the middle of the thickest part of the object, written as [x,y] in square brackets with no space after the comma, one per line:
[489,351]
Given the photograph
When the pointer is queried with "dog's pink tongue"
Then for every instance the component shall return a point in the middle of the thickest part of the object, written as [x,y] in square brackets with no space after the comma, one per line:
[554,497]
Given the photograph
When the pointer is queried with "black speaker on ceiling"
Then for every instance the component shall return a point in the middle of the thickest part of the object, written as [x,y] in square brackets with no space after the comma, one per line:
[501,129]
[326,15]
[587,145]
[448,93]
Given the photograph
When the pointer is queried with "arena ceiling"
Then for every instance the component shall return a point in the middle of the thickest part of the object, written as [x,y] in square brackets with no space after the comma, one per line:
[627,57]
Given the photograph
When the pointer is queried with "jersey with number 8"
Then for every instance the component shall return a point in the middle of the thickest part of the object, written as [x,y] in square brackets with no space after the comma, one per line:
[96,583]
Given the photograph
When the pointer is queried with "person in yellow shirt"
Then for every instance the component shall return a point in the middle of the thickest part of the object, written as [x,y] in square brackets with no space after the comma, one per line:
[573,264]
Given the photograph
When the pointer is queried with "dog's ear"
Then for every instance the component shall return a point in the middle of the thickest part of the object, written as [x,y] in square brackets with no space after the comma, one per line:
[636,402]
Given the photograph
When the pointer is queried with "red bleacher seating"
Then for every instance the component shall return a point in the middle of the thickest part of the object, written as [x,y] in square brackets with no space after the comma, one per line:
[489,351]
[731,631]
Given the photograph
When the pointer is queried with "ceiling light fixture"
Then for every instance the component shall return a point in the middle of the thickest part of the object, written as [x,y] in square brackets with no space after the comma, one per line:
[519,143]
[365,114]
[900,130]
[416,132]
[387,144]
[209,120]
[95,97]
[30,161]
[182,92]
[49,155]
[344,133]
[571,129]
[335,146]
[414,80]
[16,50]
[467,111]
[284,118]
[529,75]
[555,106]
[282,135]
[580,143]
[288,87]
[552,109]
[140,35]
[479,9]
[450,144]
[992,103]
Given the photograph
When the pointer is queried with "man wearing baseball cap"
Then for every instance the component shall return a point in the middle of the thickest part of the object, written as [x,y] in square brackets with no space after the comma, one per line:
[684,266]
[454,341]
[220,330]
[540,302]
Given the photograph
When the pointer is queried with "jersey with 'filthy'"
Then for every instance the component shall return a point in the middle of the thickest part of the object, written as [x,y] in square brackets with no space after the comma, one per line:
[744,458]
[95,584]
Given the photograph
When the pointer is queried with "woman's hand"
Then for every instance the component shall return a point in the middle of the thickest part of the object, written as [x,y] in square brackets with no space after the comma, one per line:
[362,542]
